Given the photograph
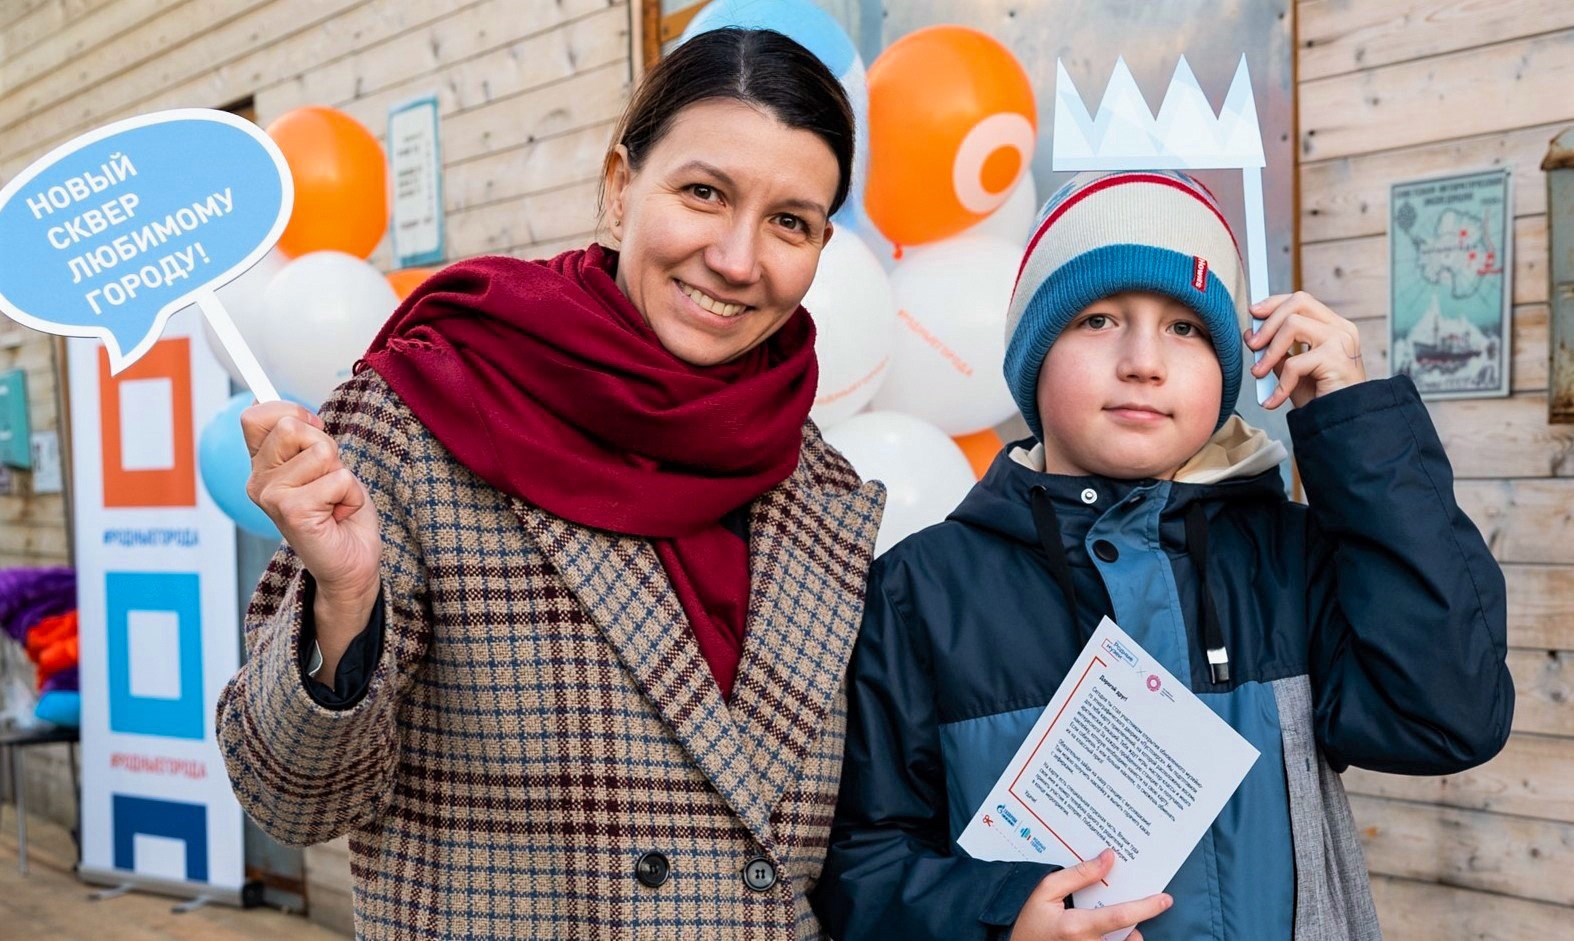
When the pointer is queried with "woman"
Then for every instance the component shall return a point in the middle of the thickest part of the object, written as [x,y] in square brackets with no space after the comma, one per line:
[570,583]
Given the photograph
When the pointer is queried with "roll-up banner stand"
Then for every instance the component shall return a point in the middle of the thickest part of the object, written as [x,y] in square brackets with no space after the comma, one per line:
[159,638]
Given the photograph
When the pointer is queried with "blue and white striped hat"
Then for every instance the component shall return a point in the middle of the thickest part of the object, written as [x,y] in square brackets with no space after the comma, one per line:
[1104,233]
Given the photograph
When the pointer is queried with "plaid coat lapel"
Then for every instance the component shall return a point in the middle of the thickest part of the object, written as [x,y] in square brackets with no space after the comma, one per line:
[811,540]
[810,545]
[620,583]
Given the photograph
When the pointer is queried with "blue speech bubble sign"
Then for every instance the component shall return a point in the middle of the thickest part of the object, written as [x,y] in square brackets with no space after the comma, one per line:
[111,233]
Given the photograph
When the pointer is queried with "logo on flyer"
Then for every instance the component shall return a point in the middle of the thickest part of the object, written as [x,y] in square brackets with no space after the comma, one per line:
[1154,683]
[1118,650]
[1006,815]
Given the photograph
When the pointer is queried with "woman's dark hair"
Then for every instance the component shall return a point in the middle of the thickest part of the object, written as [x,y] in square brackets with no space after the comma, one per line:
[759,67]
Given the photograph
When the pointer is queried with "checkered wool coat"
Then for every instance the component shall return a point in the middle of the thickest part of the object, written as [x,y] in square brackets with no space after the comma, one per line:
[540,716]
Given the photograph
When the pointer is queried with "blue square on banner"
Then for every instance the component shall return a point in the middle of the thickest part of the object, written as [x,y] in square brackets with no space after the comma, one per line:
[167,827]
[155,654]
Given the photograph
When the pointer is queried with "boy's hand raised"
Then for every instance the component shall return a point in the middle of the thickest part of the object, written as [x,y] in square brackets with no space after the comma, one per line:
[1332,362]
[1045,917]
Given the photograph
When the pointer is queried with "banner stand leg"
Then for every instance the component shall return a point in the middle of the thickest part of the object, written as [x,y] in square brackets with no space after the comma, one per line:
[120,884]
[113,892]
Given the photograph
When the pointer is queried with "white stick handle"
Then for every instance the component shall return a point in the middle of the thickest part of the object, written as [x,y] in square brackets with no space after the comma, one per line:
[235,345]
[1257,262]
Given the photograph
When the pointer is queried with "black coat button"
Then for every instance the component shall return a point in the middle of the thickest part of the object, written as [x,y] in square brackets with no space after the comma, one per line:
[652,870]
[759,874]
[1105,550]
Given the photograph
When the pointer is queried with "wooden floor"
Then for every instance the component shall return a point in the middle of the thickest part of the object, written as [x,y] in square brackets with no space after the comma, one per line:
[49,904]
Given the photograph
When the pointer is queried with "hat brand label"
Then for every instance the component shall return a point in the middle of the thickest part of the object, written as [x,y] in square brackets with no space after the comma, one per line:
[1199,272]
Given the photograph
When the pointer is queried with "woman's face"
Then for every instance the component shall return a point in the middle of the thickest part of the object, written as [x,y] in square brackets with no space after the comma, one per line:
[720,230]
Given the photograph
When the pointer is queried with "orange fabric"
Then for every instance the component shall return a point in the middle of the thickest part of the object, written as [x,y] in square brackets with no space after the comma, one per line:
[49,631]
[57,657]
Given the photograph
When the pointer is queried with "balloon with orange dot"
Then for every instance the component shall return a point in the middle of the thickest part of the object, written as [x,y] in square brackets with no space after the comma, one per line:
[952,127]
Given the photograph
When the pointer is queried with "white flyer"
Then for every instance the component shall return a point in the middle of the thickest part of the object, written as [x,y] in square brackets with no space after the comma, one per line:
[1124,757]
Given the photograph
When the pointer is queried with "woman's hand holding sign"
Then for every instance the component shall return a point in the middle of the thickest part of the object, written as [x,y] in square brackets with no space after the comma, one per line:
[323,511]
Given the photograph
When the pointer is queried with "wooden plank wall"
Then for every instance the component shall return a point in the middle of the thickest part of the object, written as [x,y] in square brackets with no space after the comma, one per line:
[528,92]
[1396,89]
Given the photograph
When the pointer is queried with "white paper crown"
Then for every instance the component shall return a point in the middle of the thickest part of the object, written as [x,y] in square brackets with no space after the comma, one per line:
[1185,136]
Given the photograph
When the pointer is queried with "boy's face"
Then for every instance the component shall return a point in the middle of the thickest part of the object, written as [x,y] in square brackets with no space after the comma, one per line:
[1130,389]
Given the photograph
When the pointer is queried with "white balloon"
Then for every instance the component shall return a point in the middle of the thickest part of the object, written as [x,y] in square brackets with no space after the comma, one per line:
[951,299]
[1013,221]
[925,474]
[324,309]
[243,300]
[855,315]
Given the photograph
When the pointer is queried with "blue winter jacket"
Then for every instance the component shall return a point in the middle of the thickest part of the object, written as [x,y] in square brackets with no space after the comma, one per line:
[1367,629]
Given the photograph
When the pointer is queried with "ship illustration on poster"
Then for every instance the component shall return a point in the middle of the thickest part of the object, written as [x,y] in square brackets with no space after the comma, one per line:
[1446,345]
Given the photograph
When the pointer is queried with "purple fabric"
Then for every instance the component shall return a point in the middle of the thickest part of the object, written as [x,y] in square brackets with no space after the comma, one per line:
[62,681]
[28,595]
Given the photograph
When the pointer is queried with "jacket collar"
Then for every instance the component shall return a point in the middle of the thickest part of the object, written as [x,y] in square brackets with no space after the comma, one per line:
[1001,501]
[810,542]
[1234,451]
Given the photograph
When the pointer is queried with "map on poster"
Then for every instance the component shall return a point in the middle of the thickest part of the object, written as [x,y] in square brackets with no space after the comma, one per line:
[1449,262]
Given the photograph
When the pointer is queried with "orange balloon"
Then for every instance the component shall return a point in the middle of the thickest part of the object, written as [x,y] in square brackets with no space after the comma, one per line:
[952,126]
[980,448]
[406,280]
[341,183]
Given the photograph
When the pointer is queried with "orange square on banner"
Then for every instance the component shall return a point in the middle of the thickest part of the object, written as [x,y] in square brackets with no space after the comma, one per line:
[145,421]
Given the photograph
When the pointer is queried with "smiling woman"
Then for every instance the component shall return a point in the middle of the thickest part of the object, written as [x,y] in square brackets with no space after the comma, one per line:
[721,227]
[570,581]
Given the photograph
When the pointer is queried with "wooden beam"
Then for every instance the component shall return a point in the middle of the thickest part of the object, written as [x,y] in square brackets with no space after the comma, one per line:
[1541,609]
[1467,848]
[1412,911]
[650,34]
[1490,89]
[1339,36]
[1528,520]
[1543,689]
[1532,777]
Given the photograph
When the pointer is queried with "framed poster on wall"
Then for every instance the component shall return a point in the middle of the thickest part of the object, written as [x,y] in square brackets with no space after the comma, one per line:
[1449,247]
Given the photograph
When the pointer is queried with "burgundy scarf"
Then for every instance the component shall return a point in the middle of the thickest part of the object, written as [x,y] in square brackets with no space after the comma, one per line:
[543,379]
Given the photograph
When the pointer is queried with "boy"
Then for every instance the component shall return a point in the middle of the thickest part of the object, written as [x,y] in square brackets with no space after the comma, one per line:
[1366,629]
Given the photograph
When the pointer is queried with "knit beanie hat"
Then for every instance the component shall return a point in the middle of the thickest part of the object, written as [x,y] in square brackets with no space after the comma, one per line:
[1104,233]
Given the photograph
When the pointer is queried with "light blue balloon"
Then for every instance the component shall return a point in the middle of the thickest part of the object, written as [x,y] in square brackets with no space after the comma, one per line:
[856,84]
[225,463]
[805,23]
[111,233]
[60,707]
